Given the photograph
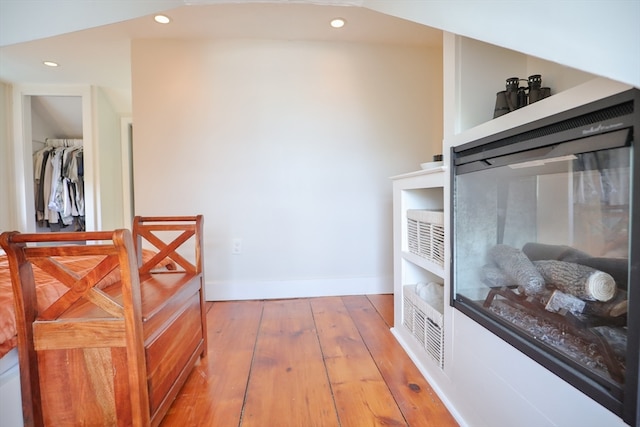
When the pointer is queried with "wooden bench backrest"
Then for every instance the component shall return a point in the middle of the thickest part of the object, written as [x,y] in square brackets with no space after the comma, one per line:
[168,235]
[52,330]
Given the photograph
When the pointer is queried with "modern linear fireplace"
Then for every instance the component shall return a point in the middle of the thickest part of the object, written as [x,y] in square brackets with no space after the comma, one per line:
[546,244]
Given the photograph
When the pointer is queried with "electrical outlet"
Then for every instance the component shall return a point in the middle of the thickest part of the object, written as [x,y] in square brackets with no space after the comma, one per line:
[236,246]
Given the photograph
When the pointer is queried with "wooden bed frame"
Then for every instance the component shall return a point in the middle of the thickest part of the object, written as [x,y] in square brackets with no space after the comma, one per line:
[116,355]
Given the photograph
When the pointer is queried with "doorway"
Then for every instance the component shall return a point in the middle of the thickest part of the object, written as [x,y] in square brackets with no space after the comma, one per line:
[38,115]
[107,180]
[58,162]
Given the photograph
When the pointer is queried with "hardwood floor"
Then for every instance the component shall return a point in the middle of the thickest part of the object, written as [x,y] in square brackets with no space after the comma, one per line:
[306,362]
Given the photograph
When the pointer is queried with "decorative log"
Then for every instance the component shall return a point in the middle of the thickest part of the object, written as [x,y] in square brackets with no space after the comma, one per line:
[559,300]
[615,307]
[618,268]
[493,277]
[540,251]
[578,280]
[516,265]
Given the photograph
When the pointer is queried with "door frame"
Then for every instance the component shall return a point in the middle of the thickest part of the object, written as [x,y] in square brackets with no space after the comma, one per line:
[22,153]
[126,148]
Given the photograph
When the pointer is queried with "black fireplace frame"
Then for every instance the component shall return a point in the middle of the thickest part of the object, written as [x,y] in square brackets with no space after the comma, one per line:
[617,115]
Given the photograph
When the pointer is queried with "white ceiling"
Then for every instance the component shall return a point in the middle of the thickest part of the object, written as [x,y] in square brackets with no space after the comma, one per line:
[100,56]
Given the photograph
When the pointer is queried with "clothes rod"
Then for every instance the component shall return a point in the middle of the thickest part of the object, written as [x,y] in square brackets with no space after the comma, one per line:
[52,142]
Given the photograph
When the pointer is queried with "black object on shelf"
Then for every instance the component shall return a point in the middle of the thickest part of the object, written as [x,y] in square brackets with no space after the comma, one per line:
[515,96]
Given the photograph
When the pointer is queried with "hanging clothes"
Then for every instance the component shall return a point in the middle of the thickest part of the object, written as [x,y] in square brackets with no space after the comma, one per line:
[59,184]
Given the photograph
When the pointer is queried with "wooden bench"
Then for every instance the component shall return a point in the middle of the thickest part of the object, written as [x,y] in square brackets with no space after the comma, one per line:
[114,355]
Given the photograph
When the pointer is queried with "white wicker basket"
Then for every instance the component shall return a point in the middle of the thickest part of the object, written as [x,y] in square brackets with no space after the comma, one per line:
[425,231]
[424,322]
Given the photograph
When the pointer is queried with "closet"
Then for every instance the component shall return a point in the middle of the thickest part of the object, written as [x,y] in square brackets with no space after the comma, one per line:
[58,163]
[42,114]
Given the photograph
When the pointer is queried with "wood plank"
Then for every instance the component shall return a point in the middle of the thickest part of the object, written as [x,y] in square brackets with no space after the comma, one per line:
[361,395]
[79,380]
[78,333]
[384,306]
[413,394]
[275,396]
[215,390]
[288,384]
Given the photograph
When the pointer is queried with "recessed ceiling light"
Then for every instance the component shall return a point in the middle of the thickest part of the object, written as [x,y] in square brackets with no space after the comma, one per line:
[162,19]
[50,63]
[338,22]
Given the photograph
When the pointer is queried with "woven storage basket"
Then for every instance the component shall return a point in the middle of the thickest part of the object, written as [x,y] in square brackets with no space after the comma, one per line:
[425,232]
[424,322]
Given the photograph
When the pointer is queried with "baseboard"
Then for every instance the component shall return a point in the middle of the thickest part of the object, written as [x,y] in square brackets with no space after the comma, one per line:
[302,288]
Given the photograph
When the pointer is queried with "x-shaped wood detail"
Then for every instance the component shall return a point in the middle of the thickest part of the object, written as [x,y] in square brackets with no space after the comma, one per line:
[167,250]
[79,286]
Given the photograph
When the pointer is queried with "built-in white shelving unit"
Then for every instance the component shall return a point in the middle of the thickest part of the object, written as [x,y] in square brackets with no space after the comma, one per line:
[419,323]
[483,380]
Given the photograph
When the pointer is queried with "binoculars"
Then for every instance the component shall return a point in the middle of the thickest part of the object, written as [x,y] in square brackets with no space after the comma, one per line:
[516,96]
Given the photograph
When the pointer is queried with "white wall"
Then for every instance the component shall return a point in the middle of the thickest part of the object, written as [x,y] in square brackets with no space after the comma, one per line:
[5,158]
[478,83]
[287,146]
[110,198]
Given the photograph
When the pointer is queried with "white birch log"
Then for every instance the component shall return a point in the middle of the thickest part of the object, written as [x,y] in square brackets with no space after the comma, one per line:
[517,266]
[578,280]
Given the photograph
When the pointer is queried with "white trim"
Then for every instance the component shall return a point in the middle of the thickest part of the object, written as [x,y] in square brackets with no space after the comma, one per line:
[93,199]
[302,288]
[127,178]
[22,168]
[22,156]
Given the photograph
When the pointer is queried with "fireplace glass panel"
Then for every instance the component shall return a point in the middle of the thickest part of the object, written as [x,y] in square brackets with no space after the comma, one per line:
[541,246]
